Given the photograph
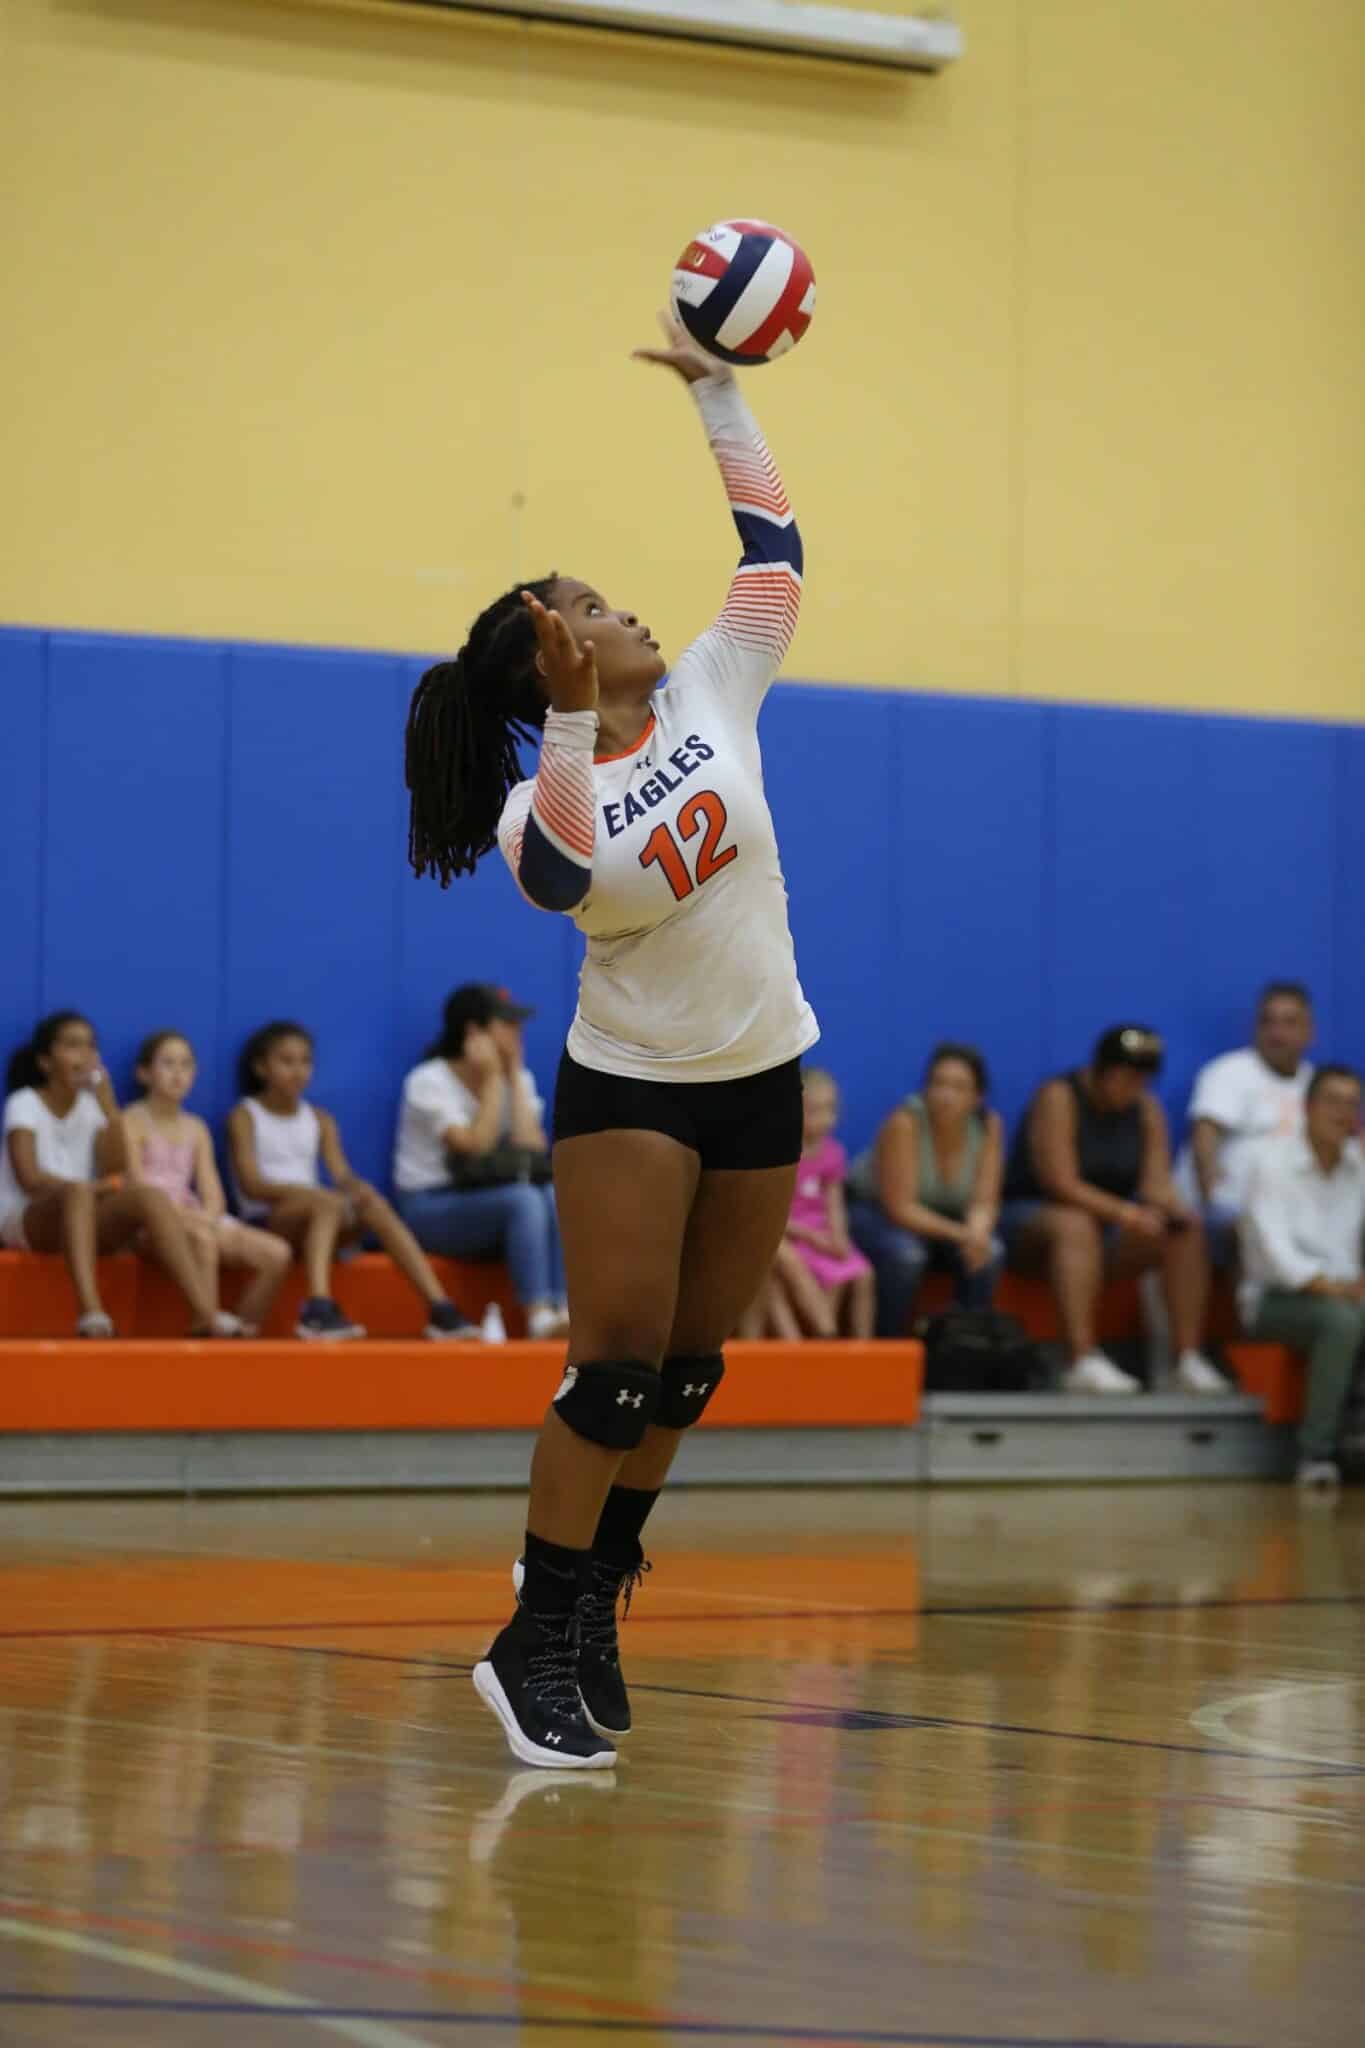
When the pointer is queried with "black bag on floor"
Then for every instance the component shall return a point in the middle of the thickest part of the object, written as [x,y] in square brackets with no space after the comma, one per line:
[980,1351]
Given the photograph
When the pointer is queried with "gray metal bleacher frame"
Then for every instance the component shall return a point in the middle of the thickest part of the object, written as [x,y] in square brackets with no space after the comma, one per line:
[1042,1438]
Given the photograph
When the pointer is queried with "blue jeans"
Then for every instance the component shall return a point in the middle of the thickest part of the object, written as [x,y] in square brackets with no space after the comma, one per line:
[901,1260]
[516,1223]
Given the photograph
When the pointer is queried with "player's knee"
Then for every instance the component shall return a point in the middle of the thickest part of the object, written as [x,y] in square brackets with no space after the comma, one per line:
[609,1401]
[645,1339]
[686,1384]
[276,1255]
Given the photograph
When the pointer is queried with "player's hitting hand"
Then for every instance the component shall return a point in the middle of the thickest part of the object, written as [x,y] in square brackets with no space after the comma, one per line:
[570,671]
[681,354]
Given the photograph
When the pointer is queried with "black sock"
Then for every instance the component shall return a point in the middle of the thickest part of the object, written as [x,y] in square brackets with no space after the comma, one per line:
[554,1576]
[624,1514]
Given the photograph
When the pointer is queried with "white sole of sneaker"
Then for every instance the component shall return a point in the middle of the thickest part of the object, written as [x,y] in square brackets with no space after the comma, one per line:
[489,1688]
[607,1734]
[308,1336]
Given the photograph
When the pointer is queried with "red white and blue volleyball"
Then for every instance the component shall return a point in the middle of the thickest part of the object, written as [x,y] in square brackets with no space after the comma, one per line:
[744,291]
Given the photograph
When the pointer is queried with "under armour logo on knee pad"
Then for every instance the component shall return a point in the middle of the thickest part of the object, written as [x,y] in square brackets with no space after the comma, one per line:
[682,1398]
[610,1401]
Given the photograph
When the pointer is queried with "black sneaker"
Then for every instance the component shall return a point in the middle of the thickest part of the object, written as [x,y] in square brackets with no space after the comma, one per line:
[530,1680]
[606,1702]
[445,1325]
[325,1321]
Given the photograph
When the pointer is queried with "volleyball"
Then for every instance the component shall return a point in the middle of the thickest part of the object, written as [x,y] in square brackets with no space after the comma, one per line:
[744,291]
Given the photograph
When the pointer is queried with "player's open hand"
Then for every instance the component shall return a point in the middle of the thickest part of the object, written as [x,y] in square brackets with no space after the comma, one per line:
[570,671]
[681,353]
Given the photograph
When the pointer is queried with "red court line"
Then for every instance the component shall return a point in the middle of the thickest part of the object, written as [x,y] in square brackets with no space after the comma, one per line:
[179,1933]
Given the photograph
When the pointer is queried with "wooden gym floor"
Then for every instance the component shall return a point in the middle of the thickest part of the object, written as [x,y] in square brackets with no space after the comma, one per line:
[969,1767]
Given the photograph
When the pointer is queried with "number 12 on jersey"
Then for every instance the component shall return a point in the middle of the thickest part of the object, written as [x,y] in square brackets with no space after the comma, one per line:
[705,808]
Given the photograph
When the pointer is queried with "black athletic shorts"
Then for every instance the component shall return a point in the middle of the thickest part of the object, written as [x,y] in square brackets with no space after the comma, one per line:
[751,1123]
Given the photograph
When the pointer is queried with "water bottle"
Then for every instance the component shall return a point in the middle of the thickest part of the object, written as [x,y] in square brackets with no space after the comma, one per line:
[493,1329]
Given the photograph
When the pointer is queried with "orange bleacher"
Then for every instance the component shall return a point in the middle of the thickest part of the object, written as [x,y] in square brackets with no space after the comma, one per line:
[145,1382]
[50,1385]
[51,1381]
[1275,1374]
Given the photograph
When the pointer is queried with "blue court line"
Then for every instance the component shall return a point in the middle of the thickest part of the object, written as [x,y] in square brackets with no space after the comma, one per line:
[793,1710]
[707,2029]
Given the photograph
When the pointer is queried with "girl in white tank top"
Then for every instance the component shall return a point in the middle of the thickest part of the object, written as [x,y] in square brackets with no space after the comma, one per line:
[279,1145]
[288,1147]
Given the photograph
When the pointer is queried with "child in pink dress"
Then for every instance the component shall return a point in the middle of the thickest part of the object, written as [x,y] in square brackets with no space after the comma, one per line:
[820,1280]
[172,1150]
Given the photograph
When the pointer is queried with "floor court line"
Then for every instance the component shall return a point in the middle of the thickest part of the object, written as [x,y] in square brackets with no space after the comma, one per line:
[873,2037]
[891,1724]
[428,1976]
[1146,1635]
[1213,1720]
[367,2029]
[930,1612]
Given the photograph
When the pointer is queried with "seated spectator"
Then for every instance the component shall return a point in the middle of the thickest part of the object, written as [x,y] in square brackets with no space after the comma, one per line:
[278,1142]
[1088,1193]
[172,1150]
[62,1170]
[820,1283]
[927,1193]
[1240,1098]
[471,1163]
[1302,1224]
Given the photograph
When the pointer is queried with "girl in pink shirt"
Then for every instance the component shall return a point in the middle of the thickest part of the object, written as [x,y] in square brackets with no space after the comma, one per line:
[820,1282]
[171,1150]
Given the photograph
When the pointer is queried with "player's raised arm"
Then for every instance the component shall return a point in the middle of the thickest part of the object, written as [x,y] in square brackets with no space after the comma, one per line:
[748,642]
[546,830]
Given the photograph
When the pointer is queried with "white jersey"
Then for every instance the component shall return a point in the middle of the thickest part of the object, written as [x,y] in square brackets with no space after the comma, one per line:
[665,856]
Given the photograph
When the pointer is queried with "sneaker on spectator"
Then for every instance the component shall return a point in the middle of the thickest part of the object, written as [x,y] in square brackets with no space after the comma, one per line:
[445,1325]
[324,1320]
[1096,1374]
[1318,1475]
[221,1324]
[96,1324]
[1195,1374]
[545,1323]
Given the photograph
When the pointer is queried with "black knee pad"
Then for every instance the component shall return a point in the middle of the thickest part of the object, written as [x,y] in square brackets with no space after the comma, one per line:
[609,1401]
[685,1387]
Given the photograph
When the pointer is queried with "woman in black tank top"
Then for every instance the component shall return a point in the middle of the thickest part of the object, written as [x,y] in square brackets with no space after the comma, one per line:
[1088,1193]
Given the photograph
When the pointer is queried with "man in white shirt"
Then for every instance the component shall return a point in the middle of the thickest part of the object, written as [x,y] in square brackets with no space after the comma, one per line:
[1302,1231]
[1239,1099]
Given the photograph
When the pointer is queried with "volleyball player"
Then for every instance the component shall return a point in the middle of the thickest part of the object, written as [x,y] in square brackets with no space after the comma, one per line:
[677,1114]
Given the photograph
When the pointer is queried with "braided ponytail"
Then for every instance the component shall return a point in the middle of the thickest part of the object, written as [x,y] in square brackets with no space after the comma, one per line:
[463,726]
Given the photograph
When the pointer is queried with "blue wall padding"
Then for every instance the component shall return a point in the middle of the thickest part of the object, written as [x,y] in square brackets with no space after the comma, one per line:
[971,801]
[132,872]
[207,835]
[1122,885]
[23,702]
[1348,934]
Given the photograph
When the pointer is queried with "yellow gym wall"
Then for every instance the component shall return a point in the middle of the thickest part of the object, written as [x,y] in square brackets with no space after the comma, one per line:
[317,321]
